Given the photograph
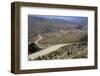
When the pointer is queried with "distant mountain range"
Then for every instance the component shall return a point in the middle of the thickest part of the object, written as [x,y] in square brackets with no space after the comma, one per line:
[46,24]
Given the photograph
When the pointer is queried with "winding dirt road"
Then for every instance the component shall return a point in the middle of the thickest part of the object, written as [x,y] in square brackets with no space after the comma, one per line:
[47,50]
[39,38]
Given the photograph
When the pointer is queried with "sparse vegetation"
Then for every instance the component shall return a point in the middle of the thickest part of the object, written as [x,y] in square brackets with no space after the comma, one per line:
[62,37]
[76,50]
[58,30]
[32,48]
[84,38]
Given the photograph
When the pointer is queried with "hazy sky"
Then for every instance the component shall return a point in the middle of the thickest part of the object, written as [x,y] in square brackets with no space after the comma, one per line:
[75,19]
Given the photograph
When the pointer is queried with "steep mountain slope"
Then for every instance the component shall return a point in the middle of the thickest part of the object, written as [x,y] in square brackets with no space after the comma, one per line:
[50,24]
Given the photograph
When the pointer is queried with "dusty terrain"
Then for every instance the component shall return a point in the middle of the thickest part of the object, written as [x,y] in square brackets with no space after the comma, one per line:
[63,51]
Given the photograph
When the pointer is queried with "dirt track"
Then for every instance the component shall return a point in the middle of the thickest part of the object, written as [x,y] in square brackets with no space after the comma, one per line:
[47,50]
